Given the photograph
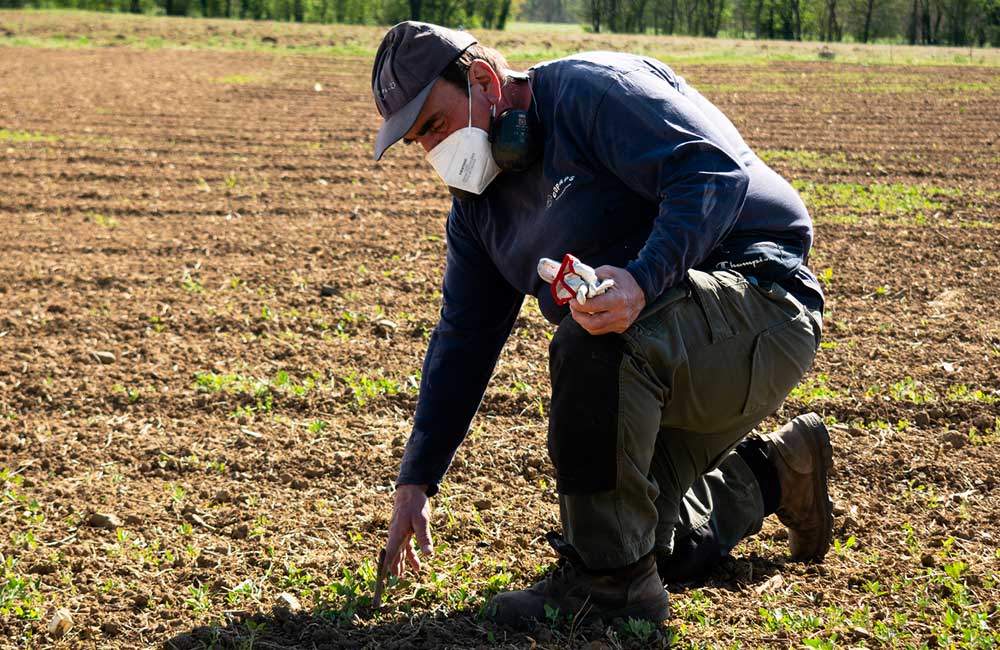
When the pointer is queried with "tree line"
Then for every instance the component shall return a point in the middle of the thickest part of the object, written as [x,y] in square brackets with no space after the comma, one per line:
[924,22]
[487,14]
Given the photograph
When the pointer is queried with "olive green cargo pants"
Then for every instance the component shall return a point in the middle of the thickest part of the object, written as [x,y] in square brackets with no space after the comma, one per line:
[643,424]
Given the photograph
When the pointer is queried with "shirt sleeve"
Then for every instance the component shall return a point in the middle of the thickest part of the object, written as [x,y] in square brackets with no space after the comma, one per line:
[478,310]
[661,146]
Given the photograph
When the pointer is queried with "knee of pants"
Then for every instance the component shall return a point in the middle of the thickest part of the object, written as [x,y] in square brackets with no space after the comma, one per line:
[583,437]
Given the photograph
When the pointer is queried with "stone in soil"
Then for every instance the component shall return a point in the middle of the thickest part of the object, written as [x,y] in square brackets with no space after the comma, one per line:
[60,623]
[287,604]
[102,357]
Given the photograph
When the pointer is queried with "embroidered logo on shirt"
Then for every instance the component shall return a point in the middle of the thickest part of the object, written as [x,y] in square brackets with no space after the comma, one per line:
[558,190]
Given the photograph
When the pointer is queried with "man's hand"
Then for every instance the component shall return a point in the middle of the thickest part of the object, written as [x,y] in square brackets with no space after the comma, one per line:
[411,515]
[616,309]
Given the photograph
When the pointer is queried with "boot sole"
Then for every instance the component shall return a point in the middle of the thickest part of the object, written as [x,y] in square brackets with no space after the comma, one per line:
[819,442]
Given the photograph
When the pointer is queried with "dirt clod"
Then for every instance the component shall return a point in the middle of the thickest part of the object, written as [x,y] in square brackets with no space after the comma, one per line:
[105,520]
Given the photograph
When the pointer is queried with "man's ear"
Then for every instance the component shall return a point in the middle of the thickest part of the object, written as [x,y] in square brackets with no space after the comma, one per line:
[483,75]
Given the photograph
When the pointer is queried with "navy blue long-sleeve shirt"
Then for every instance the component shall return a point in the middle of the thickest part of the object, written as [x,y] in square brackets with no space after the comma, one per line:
[638,171]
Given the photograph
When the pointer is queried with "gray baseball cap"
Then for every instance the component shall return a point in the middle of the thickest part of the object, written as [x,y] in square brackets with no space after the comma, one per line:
[408,62]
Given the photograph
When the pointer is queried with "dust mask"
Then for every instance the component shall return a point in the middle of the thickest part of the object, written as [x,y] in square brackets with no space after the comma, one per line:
[464,159]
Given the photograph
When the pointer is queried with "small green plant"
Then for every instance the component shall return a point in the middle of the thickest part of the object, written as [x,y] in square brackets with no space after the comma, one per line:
[551,615]
[962,393]
[814,389]
[198,599]
[260,526]
[363,389]
[238,79]
[177,493]
[25,136]
[246,591]
[843,549]
[191,284]
[639,629]
[910,390]
[19,596]
[341,599]
[105,222]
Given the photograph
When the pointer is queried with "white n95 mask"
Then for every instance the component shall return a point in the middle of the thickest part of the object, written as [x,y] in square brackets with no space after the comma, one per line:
[464,159]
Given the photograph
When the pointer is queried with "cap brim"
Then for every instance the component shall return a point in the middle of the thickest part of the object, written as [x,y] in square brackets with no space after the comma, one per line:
[400,122]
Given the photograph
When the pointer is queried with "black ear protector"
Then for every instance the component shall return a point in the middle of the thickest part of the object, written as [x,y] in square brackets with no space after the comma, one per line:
[515,136]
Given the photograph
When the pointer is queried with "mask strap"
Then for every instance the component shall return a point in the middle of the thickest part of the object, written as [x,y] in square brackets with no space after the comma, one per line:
[534,103]
[469,82]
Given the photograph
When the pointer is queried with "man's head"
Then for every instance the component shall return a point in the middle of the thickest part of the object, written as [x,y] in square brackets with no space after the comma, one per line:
[421,80]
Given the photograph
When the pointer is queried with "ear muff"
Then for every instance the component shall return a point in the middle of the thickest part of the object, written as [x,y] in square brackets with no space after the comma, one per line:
[515,140]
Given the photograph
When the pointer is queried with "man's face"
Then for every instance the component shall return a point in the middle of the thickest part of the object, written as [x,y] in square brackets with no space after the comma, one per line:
[446,110]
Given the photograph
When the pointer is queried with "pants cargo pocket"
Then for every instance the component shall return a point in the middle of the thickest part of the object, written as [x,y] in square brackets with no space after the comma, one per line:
[781,356]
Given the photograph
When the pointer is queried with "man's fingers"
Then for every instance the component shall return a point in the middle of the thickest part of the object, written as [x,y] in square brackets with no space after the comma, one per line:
[394,549]
[412,559]
[597,324]
[423,534]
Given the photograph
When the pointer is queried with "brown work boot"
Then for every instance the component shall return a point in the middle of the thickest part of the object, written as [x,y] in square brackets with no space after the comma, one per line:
[633,592]
[802,456]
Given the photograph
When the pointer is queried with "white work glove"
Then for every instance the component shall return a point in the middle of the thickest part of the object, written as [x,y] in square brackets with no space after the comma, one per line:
[572,279]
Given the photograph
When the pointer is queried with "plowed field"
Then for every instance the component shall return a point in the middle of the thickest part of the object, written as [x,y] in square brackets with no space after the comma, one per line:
[214,308]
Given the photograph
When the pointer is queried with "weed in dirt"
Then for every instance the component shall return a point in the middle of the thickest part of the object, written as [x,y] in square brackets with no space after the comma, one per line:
[198,599]
[131,394]
[191,283]
[962,393]
[19,596]
[256,394]
[25,136]
[363,389]
[844,549]
[105,222]
[814,389]
[777,618]
[238,79]
[910,390]
[156,324]
[342,599]
[847,202]
[318,427]
[245,594]
[176,492]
